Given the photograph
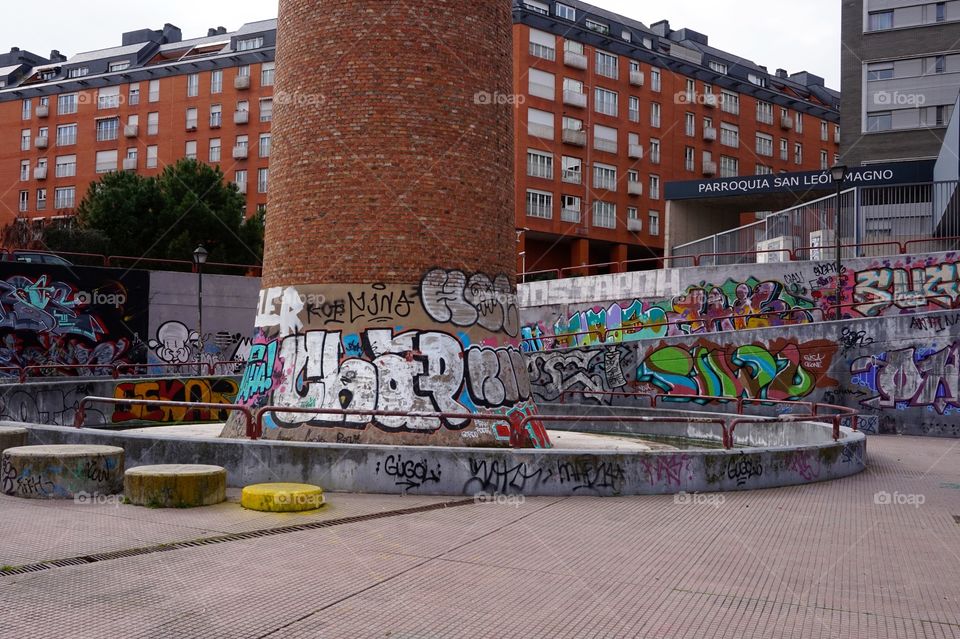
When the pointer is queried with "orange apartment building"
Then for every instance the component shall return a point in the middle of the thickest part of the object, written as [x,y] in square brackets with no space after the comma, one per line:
[608,111]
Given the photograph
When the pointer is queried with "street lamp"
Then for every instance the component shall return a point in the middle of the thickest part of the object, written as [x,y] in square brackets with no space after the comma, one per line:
[839,173]
[199,259]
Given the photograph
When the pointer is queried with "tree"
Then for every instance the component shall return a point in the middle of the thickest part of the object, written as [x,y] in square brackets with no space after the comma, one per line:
[168,216]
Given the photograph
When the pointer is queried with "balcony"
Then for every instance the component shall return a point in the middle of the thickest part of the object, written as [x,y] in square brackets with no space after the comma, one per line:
[637,78]
[40,173]
[215,122]
[241,186]
[241,117]
[43,111]
[710,100]
[42,142]
[131,130]
[572,177]
[710,134]
[570,215]
[709,167]
[241,82]
[575,137]
[635,151]
[634,188]
[574,98]
[575,60]
[786,122]
[129,164]
[634,226]
[191,125]
[608,146]
[240,152]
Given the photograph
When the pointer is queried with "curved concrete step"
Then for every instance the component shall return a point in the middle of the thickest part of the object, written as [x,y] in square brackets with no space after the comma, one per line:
[12,437]
[175,485]
[61,471]
[282,498]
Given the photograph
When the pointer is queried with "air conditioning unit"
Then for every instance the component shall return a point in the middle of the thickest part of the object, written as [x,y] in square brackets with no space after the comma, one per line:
[778,247]
[823,245]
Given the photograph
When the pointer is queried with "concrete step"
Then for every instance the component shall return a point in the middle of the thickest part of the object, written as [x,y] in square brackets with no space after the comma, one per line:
[65,471]
[175,485]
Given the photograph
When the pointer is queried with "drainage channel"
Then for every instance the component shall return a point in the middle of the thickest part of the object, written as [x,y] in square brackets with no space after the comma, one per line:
[222,539]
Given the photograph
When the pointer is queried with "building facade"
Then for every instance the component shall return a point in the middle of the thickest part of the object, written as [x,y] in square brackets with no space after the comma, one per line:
[900,78]
[608,110]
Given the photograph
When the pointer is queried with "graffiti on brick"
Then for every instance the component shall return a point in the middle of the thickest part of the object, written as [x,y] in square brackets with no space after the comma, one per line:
[453,297]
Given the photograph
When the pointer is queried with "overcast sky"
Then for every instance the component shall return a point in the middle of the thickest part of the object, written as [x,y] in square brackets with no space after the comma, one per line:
[804,37]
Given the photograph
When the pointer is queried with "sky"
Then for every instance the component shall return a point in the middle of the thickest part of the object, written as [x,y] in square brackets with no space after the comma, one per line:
[805,36]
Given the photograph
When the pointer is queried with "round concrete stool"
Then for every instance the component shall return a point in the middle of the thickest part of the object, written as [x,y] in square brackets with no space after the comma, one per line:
[175,485]
[12,436]
[61,471]
[282,498]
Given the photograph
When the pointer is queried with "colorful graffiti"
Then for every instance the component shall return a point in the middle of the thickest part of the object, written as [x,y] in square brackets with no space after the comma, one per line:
[907,285]
[911,377]
[176,343]
[204,391]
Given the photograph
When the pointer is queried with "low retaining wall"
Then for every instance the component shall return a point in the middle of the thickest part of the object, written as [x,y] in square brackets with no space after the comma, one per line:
[428,470]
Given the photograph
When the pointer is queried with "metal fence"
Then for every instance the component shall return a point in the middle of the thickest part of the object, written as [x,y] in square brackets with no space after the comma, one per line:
[874,221]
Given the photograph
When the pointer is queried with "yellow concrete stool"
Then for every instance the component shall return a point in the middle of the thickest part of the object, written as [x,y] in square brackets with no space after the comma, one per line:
[282,498]
[175,485]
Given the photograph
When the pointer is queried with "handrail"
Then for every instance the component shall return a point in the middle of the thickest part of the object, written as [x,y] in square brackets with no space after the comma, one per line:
[79,367]
[644,419]
[176,366]
[787,419]
[236,362]
[80,416]
[153,260]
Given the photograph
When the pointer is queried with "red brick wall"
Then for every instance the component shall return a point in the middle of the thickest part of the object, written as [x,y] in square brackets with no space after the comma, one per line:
[384,163]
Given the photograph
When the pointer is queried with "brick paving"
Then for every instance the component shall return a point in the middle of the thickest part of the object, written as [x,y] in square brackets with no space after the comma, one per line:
[814,561]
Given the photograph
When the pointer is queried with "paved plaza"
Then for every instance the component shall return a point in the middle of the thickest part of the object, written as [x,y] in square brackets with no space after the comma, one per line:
[823,560]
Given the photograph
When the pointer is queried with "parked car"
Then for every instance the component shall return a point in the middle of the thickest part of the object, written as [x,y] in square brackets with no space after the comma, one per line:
[35,257]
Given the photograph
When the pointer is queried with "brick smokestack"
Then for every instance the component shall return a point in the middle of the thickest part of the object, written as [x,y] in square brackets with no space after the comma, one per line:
[389,270]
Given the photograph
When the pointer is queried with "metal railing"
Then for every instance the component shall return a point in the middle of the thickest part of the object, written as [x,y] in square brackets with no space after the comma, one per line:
[114,371]
[80,416]
[98,259]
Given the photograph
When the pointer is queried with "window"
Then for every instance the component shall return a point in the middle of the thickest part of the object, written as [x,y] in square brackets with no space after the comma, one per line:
[539,164]
[191,118]
[24,201]
[193,85]
[565,12]
[824,160]
[604,215]
[243,105]
[604,138]
[67,103]
[655,115]
[540,204]
[573,47]
[41,199]
[880,71]
[190,150]
[26,109]
[572,170]
[598,27]
[25,136]
[66,134]
[78,72]
[799,122]
[606,102]
[764,144]
[541,84]
[719,67]
[758,80]
[216,82]
[133,94]
[729,135]
[691,92]
[264,145]
[690,125]
[633,111]
[132,154]
[154,91]
[655,79]
[604,177]
[153,123]
[729,167]
[66,166]
[216,116]
[798,153]
[633,215]
[151,157]
[249,44]
[118,66]
[266,109]
[571,85]
[654,187]
[730,102]
[879,121]
[690,159]
[784,149]
[263,176]
[543,45]
[654,151]
[214,150]
[242,142]
[570,206]
[764,112]
[540,124]
[267,71]
[940,64]
[607,65]
[244,71]
[106,161]
[763,169]
[25,170]
[653,218]
[240,179]
[880,20]
[633,176]
[941,12]
[108,98]
[64,197]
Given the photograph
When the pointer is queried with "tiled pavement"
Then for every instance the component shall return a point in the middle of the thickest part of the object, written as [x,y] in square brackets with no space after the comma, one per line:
[814,561]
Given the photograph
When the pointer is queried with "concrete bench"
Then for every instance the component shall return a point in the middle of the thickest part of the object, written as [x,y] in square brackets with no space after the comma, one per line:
[62,471]
[175,485]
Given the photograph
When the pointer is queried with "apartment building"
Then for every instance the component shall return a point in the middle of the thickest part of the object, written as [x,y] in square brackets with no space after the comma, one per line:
[900,77]
[608,111]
